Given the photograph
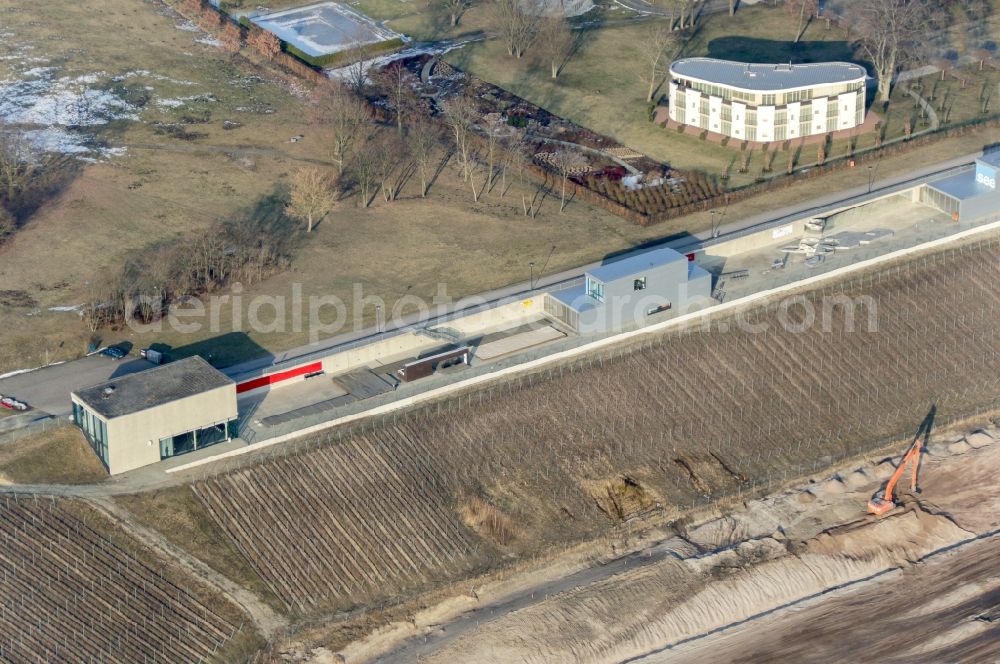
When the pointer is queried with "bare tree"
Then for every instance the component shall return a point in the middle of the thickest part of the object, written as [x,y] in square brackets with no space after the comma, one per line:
[460,114]
[684,9]
[494,128]
[346,115]
[396,82]
[513,153]
[886,30]
[365,168]
[18,165]
[394,166]
[513,24]
[455,8]
[312,196]
[656,46]
[7,224]
[423,139]
[556,42]
[356,77]
[801,12]
[569,163]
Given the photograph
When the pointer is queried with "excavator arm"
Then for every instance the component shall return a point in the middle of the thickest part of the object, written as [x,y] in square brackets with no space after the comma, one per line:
[882,502]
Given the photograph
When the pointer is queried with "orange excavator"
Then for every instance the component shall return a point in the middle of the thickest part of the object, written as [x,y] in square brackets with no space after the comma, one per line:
[882,502]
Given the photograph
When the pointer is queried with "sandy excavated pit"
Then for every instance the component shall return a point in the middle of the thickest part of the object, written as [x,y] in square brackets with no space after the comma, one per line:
[786,550]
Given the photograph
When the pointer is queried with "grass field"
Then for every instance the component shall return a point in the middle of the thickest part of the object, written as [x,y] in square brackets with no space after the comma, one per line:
[164,188]
[655,429]
[602,87]
[61,456]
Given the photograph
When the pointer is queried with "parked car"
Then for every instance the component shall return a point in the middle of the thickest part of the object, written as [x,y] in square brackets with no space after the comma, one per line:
[114,352]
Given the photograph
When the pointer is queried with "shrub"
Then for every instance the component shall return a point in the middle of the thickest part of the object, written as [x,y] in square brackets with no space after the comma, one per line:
[264,42]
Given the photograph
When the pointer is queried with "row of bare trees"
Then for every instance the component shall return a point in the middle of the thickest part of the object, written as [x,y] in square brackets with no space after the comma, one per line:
[28,176]
[246,248]
[521,25]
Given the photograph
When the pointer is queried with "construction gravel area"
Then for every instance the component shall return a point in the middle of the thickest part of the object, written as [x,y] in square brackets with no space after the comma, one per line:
[803,575]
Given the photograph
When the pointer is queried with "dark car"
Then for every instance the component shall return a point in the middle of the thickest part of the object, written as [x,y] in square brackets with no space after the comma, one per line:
[114,352]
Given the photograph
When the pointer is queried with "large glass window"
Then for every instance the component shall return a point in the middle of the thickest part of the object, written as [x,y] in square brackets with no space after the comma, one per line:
[195,440]
[595,289]
[767,100]
[95,430]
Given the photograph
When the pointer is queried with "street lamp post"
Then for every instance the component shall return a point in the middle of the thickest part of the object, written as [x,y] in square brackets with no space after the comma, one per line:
[378,318]
[871,178]
[531,278]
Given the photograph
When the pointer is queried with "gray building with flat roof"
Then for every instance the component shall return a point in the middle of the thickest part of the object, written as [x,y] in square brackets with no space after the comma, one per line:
[628,291]
[152,415]
[967,196]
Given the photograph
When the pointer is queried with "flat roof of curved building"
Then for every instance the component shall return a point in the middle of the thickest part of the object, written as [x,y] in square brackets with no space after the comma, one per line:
[766,77]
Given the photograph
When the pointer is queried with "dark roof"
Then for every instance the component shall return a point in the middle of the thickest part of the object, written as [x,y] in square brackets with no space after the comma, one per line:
[154,387]
[641,262]
[766,77]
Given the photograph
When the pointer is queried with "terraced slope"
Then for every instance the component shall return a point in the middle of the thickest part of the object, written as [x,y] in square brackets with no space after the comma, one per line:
[72,593]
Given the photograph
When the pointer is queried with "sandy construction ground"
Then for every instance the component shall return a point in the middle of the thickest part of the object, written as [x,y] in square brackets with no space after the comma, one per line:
[805,575]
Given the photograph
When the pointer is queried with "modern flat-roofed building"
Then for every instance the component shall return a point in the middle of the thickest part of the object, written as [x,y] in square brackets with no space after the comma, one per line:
[967,196]
[767,102]
[152,415]
[628,291]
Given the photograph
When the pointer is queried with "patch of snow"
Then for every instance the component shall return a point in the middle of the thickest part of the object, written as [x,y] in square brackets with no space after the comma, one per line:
[47,100]
[18,372]
[188,26]
[209,40]
[557,7]
[73,307]
[38,72]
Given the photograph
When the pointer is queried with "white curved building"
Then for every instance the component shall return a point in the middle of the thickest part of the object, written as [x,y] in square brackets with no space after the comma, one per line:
[767,102]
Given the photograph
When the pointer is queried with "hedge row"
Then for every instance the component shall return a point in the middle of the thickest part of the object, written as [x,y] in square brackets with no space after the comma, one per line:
[344,57]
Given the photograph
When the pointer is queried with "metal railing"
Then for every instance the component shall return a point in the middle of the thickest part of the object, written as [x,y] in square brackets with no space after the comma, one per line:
[41,425]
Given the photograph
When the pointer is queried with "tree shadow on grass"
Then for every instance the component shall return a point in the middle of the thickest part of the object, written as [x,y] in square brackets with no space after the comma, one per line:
[750,49]
[220,351]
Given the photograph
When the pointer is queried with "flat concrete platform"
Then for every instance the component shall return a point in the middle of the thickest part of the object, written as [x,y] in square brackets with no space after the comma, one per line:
[364,383]
[47,390]
[317,395]
[493,350]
